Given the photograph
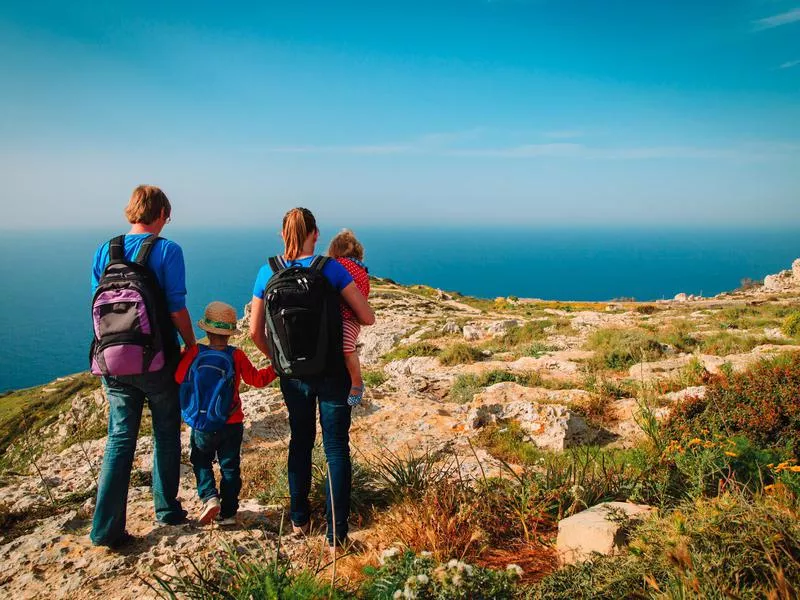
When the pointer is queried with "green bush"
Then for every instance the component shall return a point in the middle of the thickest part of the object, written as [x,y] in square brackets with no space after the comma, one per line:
[411,350]
[678,334]
[408,575]
[373,378]
[235,575]
[760,404]
[724,343]
[733,546]
[619,349]
[529,332]
[460,354]
[791,325]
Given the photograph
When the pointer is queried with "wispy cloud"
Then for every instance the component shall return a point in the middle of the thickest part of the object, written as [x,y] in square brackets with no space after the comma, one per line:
[563,150]
[789,64]
[564,134]
[777,20]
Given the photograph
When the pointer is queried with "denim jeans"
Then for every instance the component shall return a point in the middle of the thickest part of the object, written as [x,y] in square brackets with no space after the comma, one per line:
[126,397]
[225,445]
[301,397]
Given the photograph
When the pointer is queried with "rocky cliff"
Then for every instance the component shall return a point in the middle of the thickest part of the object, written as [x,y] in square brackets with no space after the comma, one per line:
[444,374]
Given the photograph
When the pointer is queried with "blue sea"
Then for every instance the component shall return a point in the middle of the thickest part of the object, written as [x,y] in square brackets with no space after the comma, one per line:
[44,303]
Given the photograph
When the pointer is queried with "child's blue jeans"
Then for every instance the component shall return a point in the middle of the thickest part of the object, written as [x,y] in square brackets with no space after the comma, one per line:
[225,445]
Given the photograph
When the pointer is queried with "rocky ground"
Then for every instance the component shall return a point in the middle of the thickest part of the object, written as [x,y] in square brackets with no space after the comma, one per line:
[440,369]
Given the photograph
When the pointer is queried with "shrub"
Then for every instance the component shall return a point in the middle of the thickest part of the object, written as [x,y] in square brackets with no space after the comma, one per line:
[508,442]
[529,332]
[727,547]
[536,349]
[724,343]
[791,325]
[460,354]
[236,576]
[760,404]
[618,349]
[646,309]
[678,334]
[410,475]
[373,378]
[464,388]
[410,350]
[409,575]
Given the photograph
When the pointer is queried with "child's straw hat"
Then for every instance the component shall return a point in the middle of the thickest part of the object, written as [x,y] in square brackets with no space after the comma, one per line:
[219,318]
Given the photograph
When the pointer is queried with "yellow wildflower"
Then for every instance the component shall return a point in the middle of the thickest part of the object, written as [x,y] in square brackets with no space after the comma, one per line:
[733,454]
[694,442]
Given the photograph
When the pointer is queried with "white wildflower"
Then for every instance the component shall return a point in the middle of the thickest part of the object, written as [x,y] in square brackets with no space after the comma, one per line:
[397,594]
[388,554]
[425,554]
[409,594]
[514,569]
[422,578]
[456,580]
[452,564]
[468,569]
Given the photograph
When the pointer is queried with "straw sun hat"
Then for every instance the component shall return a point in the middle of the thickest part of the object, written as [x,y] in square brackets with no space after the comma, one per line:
[219,318]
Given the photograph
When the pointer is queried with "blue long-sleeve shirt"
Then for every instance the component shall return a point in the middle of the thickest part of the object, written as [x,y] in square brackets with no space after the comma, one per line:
[166,262]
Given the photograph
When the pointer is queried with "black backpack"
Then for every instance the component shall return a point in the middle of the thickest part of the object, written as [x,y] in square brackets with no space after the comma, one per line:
[133,331]
[304,320]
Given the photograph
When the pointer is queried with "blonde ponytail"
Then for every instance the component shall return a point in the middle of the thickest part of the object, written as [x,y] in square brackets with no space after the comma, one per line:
[298,224]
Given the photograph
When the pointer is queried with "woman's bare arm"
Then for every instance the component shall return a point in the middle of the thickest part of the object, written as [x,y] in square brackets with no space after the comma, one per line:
[359,304]
[258,331]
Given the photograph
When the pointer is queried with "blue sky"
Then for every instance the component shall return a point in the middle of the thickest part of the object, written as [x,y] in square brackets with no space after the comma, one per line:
[544,112]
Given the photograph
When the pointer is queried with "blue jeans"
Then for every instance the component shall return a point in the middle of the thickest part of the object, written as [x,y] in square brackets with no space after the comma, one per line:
[225,445]
[126,397]
[301,397]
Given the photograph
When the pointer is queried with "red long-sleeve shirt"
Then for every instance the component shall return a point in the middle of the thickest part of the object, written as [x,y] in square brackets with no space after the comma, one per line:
[243,369]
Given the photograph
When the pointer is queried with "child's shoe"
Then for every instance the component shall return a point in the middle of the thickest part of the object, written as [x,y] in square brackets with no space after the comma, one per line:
[210,510]
[226,521]
[356,394]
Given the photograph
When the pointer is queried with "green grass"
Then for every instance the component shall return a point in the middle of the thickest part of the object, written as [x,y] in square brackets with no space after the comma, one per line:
[618,349]
[507,441]
[723,343]
[460,354]
[411,350]
[27,411]
[467,385]
[373,378]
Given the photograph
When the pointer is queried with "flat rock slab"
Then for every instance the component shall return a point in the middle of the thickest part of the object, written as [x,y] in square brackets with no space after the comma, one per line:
[601,529]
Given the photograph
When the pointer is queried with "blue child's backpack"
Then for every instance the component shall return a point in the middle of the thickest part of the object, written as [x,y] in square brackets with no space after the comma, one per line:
[207,390]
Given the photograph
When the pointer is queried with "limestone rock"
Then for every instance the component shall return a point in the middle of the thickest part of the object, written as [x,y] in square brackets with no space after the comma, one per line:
[549,426]
[472,333]
[796,270]
[601,528]
[451,327]
[501,327]
[780,281]
[682,297]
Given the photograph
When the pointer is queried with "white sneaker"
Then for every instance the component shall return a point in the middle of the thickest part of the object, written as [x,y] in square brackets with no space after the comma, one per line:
[226,521]
[210,510]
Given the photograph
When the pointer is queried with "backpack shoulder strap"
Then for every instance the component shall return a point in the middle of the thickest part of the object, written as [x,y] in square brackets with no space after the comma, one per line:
[276,263]
[116,249]
[146,248]
[318,263]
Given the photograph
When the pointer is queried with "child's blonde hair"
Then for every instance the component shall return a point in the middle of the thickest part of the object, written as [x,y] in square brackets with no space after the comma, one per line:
[345,245]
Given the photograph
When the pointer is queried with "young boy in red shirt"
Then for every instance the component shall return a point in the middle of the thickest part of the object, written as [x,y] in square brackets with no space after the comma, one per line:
[224,444]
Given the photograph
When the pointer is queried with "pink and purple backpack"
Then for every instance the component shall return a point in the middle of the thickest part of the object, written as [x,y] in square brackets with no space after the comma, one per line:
[132,327]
